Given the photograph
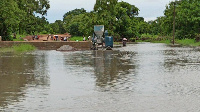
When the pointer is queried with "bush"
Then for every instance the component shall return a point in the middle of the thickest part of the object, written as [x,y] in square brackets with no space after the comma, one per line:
[44,32]
[7,38]
[133,39]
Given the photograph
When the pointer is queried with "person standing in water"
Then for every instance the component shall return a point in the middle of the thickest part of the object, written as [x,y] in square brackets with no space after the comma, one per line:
[83,38]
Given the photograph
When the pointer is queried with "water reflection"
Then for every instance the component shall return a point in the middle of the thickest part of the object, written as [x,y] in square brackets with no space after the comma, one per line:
[18,72]
[112,69]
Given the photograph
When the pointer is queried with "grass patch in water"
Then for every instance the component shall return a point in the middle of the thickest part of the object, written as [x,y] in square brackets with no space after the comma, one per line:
[18,48]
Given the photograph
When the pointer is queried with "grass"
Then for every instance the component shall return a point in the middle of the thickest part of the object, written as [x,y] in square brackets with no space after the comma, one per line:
[76,38]
[166,41]
[154,38]
[149,36]
[187,42]
[18,48]
[19,38]
[183,42]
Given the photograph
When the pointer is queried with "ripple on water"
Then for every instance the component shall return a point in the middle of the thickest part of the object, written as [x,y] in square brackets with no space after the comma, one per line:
[139,77]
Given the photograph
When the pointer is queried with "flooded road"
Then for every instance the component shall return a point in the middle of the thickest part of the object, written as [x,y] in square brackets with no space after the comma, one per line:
[142,77]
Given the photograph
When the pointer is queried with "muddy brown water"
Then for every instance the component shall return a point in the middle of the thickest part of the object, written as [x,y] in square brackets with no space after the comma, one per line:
[142,77]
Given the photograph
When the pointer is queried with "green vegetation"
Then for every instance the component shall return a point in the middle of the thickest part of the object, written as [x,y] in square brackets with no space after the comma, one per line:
[19,38]
[147,35]
[154,38]
[23,47]
[119,18]
[76,38]
[184,42]
[188,42]
[186,20]
[166,41]
[18,16]
[18,48]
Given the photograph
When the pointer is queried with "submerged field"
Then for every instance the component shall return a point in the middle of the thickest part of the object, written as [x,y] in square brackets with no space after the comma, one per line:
[18,48]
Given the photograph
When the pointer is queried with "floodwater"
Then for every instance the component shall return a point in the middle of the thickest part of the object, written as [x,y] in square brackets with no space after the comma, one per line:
[142,77]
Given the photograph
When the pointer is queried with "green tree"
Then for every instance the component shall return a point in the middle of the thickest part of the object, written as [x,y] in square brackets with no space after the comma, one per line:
[19,15]
[105,10]
[79,22]
[187,18]
[105,5]
[58,27]
[29,22]
[10,16]
[125,19]
[88,21]
[158,27]
[75,12]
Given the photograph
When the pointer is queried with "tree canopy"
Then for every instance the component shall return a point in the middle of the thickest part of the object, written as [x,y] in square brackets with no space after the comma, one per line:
[187,19]
[119,18]
[19,16]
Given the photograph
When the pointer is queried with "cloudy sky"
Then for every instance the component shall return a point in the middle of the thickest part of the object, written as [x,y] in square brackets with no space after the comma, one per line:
[149,9]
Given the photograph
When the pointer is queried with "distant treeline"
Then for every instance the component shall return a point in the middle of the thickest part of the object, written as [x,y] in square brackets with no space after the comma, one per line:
[119,18]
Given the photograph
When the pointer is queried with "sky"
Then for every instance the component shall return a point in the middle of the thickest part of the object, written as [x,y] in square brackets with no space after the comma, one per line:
[149,9]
